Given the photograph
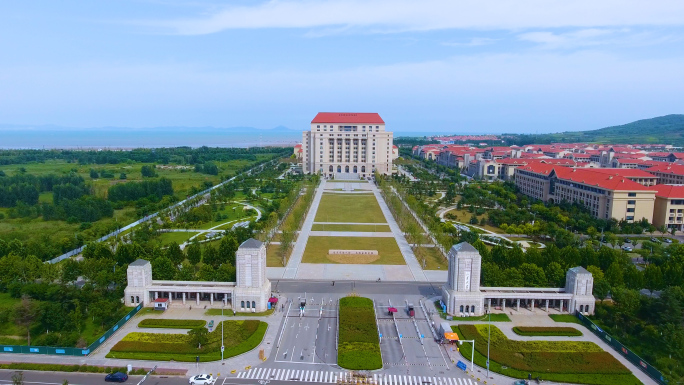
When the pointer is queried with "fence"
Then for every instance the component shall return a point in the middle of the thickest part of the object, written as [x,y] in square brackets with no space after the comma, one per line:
[70,351]
[628,354]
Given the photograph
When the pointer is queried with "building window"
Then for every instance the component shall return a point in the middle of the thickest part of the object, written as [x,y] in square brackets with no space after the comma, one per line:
[631,202]
[631,195]
[630,209]
[132,299]
[242,304]
[137,299]
[253,305]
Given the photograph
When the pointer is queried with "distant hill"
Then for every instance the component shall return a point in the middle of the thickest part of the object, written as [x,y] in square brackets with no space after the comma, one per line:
[667,129]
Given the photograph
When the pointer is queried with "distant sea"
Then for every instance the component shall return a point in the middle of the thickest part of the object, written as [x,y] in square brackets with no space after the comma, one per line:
[125,138]
[48,137]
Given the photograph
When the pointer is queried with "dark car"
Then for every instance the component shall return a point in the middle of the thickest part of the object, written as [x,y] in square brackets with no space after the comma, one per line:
[627,240]
[116,377]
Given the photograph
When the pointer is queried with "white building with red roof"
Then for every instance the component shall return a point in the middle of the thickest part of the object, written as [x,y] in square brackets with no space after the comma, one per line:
[668,210]
[347,145]
[669,173]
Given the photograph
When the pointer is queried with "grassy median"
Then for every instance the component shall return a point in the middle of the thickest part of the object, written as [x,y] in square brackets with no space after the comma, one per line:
[359,343]
[351,208]
[388,251]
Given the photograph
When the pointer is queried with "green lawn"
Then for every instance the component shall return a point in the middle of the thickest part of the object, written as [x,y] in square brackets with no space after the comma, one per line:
[349,208]
[363,228]
[178,237]
[388,251]
[433,258]
[359,343]
[559,361]
[496,317]
[540,331]
[272,258]
[239,337]
[565,318]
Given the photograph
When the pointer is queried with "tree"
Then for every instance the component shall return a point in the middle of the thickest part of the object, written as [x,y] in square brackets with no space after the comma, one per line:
[25,312]
[653,278]
[555,274]
[194,253]
[163,269]
[174,253]
[211,256]
[198,336]
[601,289]
[206,273]
[227,249]
[94,174]
[614,275]
[186,272]
[18,378]
[627,300]
[533,275]
[148,171]
[226,273]
[473,219]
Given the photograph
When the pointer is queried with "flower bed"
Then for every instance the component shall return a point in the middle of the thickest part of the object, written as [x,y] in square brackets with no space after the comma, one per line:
[239,337]
[531,331]
[171,323]
[359,343]
[559,361]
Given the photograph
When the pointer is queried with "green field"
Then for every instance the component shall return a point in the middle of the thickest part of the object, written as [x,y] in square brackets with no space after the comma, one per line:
[176,236]
[559,361]
[388,251]
[239,337]
[434,260]
[540,331]
[349,208]
[361,228]
[359,343]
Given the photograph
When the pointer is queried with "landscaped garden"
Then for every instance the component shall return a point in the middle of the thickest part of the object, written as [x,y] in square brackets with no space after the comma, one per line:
[541,331]
[560,361]
[238,337]
[171,323]
[359,343]
[346,227]
[317,249]
[350,208]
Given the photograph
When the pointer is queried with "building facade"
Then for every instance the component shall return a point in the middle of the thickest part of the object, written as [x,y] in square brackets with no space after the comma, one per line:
[463,296]
[250,293]
[347,143]
[606,193]
[668,210]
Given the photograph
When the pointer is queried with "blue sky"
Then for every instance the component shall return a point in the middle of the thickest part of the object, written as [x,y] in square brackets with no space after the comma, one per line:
[433,65]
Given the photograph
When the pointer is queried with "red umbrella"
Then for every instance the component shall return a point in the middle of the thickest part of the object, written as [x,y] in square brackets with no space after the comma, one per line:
[393,309]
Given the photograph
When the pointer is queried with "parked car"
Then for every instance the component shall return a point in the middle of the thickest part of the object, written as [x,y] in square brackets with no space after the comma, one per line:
[202,379]
[627,240]
[116,377]
[627,248]
[521,382]
[667,240]
[654,239]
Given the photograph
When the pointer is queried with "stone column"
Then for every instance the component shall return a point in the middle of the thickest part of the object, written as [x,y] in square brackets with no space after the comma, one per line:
[211,298]
[170,297]
[547,305]
[489,305]
[561,305]
[503,304]
[183,298]
[198,295]
[532,304]
[156,294]
[517,308]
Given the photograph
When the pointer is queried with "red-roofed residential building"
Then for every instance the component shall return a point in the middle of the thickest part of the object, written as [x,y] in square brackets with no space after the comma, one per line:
[606,193]
[298,152]
[668,173]
[668,210]
[347,145]
[669,157]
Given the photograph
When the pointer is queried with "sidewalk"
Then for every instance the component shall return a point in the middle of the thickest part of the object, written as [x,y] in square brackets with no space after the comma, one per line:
[303,238]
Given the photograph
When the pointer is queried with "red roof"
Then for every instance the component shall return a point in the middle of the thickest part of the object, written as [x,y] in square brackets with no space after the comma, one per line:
[668,191]
[625,172]
[668,168]
[588,176]
[348,117]
[161,300]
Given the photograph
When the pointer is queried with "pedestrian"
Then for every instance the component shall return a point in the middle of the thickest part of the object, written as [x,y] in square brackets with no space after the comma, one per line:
[333,283]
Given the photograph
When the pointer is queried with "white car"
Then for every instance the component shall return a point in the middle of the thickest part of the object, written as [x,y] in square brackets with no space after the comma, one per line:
[202,379]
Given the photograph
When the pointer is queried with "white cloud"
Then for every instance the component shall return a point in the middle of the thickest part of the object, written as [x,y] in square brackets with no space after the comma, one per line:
[403,15]
[474,42]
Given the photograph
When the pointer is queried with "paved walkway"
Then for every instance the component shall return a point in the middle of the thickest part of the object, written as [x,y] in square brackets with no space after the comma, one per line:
[361,272]
[405,248]
[303,238]
[238,363]
[539,317]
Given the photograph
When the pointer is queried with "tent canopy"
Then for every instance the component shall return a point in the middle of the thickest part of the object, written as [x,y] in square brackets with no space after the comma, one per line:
[451,336]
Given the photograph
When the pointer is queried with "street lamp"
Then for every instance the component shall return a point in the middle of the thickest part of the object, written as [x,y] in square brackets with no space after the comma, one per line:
[222,347]
[472,353]
[489,338]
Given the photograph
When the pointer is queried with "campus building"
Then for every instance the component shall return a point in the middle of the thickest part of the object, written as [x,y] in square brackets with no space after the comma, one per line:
[250,293]
[668,210]
[463,296]
[622,194]
[347,145]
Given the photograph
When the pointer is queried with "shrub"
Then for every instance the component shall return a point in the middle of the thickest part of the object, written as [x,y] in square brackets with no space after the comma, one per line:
[546,331]
[359,343]
[171,323]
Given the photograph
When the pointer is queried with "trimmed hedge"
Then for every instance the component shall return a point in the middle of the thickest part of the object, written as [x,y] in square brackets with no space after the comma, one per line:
[565,318]
[171,323]
[359,343]
[68,368]
[559,361]
[239,337]
[532,331]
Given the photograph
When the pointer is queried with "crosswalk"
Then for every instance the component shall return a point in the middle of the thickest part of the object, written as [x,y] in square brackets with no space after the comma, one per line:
[328,377]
